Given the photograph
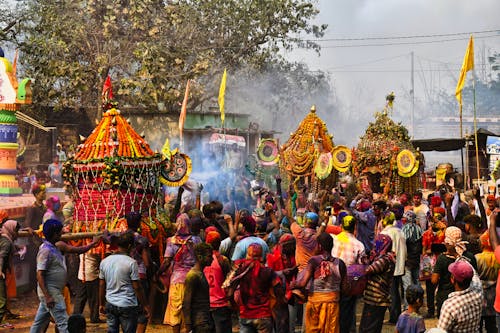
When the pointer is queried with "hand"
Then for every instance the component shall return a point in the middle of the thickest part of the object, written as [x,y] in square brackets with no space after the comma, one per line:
[147,311]
[228,219]
[448,198]
[49,300]
[102,309]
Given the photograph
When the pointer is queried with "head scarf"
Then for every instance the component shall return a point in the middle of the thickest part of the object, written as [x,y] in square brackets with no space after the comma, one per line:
[436,201]
[211,237]
[3,215]
[484,239]
[9,229]
[453,237]
[286,238]
[51,227]
[182,225]
[383,245]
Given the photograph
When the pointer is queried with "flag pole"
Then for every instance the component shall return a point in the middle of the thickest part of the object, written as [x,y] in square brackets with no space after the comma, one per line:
[462,148]
[475,124]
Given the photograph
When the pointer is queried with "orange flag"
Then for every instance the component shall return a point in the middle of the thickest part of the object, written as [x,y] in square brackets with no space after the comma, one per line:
[182,117]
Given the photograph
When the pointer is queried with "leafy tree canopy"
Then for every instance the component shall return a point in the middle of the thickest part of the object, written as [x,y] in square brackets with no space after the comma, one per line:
[151,47]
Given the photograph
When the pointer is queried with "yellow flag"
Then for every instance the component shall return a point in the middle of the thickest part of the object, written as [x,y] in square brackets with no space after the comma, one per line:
[222,92]
[467,65]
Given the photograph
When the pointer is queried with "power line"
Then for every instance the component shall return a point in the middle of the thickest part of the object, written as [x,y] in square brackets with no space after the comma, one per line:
[406,43]
[402,37]
[372,61]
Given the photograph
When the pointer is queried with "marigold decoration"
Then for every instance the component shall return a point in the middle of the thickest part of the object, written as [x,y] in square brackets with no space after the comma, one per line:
[298,155]
[324,166]
[341,158]
[267,152]
[113,173]
[386,150]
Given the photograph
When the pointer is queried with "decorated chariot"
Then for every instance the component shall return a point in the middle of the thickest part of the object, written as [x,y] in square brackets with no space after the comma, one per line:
[310,155]
[115,172]
[385,160]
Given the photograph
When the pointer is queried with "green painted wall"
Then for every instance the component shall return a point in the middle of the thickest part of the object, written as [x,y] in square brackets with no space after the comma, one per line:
[202,120]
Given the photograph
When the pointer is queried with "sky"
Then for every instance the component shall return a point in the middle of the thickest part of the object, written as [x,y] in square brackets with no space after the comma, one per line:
[362,76]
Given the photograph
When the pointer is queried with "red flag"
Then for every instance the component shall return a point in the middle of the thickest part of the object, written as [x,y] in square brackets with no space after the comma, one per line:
[107,91]
[182,117]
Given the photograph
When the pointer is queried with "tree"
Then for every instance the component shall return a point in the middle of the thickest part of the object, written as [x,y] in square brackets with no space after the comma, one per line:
[152,47]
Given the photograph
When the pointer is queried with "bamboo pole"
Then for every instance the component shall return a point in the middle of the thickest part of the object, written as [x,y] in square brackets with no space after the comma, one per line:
[68,236]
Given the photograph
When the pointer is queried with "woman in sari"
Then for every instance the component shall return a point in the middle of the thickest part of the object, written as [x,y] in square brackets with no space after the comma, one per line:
[179,253]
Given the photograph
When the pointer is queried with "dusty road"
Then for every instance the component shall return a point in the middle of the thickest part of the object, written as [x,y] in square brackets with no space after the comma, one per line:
[27,304]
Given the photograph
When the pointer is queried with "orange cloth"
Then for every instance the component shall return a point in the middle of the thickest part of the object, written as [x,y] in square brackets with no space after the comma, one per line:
[10,282]
[322,313]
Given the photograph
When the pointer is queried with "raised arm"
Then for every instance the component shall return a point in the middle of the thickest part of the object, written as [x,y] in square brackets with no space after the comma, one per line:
[482,211]
[493,229]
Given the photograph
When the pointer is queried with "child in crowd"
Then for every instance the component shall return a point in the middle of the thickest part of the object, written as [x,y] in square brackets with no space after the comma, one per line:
[411,321]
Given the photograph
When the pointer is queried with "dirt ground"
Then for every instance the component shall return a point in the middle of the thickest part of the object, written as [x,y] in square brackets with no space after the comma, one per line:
[27,305]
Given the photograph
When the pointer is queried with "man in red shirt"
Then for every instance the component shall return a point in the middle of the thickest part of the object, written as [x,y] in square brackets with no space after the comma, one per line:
[216,274]
[253,297]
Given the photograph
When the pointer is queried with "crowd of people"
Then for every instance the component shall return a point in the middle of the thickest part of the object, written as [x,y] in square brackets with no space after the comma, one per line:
[290,261]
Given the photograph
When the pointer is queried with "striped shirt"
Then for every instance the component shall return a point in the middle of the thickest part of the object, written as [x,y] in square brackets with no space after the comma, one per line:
[378,287]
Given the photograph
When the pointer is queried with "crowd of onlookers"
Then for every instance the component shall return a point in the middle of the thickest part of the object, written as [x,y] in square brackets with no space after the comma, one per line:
[289,261]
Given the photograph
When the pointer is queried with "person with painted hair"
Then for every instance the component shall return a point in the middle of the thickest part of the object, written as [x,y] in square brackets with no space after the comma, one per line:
[455,248]
[399,248]
[53,204]
[305,238]
[377,294]
[254,282]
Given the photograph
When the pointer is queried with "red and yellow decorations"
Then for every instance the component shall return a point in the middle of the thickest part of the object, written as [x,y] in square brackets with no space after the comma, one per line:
[407,163]
[341,158]
[268,152]
[113,136]
[299,154]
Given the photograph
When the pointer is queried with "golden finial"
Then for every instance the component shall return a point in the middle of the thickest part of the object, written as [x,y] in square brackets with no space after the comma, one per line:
[313,108]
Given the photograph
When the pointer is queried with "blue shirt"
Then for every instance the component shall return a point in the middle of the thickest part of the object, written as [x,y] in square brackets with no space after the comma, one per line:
[240,250]
[119,270]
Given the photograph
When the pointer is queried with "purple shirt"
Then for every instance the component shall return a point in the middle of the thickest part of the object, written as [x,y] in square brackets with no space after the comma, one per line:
[183,257]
